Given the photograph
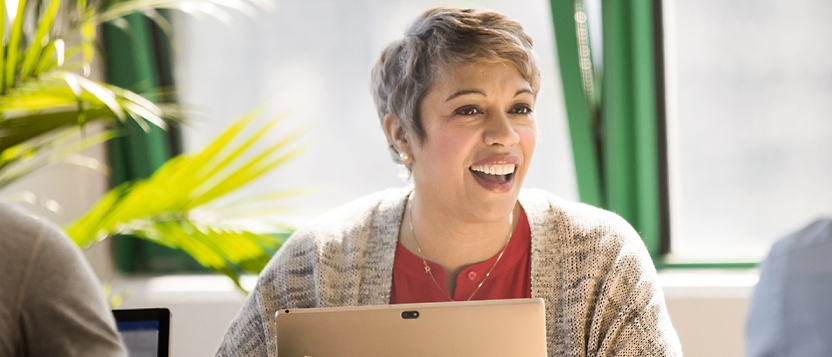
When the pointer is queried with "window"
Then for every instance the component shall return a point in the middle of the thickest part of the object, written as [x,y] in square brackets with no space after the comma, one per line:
[749,92]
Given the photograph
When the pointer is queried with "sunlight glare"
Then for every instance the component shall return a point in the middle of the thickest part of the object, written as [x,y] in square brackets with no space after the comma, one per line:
[11,9]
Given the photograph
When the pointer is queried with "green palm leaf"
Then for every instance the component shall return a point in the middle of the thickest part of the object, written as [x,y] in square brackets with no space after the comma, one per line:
[13,46]
[42,97]
[57,146]
[39,41]
[225,250]
[38,90]
[165,207]
[60,99]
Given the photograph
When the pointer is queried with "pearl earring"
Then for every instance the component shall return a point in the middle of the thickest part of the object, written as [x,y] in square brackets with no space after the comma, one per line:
[405,158]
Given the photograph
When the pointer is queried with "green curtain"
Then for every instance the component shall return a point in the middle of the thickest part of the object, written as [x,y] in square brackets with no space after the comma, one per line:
[138,58]
[615,140]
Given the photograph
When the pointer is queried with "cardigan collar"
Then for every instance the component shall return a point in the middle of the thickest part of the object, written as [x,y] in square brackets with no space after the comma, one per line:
[386,223]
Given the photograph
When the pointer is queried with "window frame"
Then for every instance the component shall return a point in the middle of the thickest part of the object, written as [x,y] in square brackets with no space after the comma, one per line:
[620,142]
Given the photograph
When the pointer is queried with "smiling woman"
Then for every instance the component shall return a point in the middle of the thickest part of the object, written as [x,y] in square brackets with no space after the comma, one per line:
[479,137]
[456,100]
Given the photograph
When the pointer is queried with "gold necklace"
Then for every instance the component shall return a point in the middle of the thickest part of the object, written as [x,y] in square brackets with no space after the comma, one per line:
[427,267]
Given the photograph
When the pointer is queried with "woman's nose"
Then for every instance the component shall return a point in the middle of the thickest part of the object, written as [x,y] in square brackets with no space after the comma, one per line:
[500,131]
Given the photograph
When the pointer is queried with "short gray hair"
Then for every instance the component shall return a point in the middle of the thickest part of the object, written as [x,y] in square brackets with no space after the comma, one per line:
[439,38]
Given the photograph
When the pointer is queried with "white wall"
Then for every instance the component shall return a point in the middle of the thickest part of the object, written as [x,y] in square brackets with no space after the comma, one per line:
[708,309]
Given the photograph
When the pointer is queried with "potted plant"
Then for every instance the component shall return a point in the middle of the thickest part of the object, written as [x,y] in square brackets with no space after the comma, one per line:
[46,95]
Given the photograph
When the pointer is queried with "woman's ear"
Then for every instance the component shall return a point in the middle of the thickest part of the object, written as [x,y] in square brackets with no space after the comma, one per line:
[396,134]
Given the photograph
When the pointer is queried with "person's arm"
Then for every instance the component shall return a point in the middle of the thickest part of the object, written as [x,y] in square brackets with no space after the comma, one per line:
[252,332]
[63,311]
[630,317]
[247,334]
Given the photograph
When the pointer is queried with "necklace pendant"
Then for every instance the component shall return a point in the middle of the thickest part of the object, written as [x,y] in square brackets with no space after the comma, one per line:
[427,268]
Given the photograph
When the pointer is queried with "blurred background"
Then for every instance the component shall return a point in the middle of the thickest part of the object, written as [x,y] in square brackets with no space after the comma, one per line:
[705,123]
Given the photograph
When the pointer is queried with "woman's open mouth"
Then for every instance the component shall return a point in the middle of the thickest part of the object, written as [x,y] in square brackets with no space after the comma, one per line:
[494,177]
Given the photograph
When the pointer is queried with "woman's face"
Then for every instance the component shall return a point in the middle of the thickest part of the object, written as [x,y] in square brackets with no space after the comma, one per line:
[480,136]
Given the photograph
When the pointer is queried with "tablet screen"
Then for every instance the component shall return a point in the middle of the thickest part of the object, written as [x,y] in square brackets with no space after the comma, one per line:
[145,332]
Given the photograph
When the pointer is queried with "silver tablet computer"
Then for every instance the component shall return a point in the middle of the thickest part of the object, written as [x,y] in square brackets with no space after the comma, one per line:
[515,327]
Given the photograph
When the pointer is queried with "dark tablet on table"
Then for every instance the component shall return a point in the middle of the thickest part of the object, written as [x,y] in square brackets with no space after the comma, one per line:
[145,332]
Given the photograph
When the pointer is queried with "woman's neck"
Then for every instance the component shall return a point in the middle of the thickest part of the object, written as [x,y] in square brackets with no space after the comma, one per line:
[450,240]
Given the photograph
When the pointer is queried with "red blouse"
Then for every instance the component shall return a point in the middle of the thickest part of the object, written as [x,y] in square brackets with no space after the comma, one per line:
[511,277]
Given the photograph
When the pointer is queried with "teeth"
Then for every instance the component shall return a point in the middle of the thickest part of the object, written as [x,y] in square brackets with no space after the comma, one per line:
[494,169]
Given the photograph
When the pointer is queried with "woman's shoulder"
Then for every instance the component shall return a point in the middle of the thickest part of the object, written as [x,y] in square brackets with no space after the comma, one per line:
[577,215]
[335,248]
[592,260]
[350,224]
[562,221]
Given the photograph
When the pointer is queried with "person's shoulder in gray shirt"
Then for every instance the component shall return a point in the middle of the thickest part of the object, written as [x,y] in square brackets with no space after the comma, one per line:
[791,309]
[51,303]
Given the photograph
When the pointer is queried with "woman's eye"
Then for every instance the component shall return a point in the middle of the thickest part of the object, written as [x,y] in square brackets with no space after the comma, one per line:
[468,111]
[522,109]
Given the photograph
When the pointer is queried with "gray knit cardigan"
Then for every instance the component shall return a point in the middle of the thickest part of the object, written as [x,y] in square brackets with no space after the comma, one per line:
[588,265]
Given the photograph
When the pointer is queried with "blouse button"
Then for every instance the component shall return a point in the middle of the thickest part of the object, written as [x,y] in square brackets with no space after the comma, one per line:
[472,275]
